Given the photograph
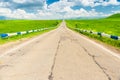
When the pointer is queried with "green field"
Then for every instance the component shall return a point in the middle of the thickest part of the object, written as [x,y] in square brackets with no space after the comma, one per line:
[110,25]
[8,26]
[11,26]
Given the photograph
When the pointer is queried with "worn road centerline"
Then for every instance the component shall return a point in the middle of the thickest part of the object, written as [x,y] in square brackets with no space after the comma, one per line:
[50,77]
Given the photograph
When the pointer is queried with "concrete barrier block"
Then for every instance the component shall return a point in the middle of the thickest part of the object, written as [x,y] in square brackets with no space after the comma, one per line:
[30,31]
[114,37]
[24,32]
[94,32]
[12,34]
[18,33]
[91,32]
[35,30]
[4,35]
[106,35]
[99,33]
[118,38]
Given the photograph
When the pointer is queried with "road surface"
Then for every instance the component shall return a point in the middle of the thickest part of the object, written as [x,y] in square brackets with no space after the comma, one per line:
[60,54]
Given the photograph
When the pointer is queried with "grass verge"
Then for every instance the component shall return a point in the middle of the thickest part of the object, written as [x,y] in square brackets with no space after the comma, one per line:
[10,26]
[20,37]
[112,42]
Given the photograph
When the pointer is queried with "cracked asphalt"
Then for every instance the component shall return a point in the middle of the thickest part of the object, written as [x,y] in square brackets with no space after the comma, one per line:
[60,54]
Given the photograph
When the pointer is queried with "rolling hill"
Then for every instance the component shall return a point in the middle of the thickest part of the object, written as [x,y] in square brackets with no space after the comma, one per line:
[114,16]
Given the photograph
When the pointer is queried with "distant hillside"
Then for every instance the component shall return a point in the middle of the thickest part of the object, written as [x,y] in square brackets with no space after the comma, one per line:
[114,16]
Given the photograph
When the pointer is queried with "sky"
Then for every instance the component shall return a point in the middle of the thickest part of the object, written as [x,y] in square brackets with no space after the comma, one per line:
[57,9]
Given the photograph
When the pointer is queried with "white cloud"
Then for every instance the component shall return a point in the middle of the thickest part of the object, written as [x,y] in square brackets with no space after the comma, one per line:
[63,9]
[28,1]
[4,4]
[94,3]
[19,1]
[44,13]
[111,2]
[17,14]
[57,10]
[5,11]
[59,6]
[81,13]
[69,13]
[87,2]
[21,14]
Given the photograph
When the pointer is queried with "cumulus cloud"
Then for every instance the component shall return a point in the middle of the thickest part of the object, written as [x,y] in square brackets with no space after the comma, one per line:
[5,11]
[4,4]
[80,13]
[111,2]
[39,9]
[28,5]
[17,14]
[94,3]
[19,1]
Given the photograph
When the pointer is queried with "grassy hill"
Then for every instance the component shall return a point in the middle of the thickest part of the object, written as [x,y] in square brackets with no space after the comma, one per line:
[114,16]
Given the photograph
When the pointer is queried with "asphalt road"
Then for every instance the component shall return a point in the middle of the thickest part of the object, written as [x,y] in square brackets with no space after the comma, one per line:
[60,54]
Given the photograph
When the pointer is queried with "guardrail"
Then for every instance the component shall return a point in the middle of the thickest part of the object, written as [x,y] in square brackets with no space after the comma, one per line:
[5,35]
[99,33]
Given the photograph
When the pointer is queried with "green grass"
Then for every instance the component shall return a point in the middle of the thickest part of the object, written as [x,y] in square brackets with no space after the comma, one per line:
[114,16]
[25,36]
[109,26]
[103,25]
[115,43]
[8,26]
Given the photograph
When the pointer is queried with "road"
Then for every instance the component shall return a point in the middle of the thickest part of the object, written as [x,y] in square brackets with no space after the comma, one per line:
[60,54]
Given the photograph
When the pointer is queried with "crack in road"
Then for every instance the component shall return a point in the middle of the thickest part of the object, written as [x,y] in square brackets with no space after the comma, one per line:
[2,66]
[50,77]
[93,57]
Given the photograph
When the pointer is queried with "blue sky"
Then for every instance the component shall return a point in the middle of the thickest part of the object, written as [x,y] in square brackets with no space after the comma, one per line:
[57,9]
[51,1]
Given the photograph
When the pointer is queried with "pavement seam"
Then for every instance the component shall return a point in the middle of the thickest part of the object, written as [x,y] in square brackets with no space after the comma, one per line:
[93,57]
[50,77]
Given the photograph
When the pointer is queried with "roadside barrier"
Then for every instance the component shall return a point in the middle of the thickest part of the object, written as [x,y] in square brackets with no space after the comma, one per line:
[99,33]
[6,35]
